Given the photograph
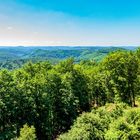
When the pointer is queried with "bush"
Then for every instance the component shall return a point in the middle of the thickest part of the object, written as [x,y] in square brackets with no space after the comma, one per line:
[126,127]
[93,125]
[88,126]
[27,133]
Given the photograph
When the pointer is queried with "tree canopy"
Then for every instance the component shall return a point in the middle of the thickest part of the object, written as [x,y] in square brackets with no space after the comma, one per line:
[43,100]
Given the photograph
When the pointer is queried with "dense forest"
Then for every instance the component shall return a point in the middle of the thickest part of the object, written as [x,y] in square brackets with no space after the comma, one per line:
[14,57]
[69,100]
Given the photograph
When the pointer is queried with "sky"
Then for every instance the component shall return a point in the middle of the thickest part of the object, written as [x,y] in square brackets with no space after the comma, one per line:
[69,22]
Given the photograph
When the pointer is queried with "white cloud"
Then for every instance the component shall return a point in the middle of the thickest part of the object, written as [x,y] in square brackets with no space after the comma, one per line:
[10,28]
[35,32]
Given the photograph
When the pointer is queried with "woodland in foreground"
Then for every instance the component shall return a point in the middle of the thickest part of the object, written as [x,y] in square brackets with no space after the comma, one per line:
[72,101]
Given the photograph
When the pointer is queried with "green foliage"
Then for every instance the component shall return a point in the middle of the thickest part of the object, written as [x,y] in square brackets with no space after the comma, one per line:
[27,133]
[15,57]
[122,70]
[51,97]
[126,127]
[93,125]
[88,126]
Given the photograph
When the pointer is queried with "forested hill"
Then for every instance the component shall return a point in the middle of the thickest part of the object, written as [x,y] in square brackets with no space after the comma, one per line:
[72,101]
[15,57]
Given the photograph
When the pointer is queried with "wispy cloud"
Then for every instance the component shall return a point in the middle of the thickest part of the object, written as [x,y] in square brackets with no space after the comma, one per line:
[10,28]
[24,24]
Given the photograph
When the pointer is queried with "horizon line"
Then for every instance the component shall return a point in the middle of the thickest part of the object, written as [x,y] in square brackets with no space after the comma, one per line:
[69,45]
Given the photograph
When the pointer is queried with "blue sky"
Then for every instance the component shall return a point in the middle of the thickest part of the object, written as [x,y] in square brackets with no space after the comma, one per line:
[69,22]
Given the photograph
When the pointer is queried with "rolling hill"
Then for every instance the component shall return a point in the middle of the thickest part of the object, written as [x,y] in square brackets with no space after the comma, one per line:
[15,57]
